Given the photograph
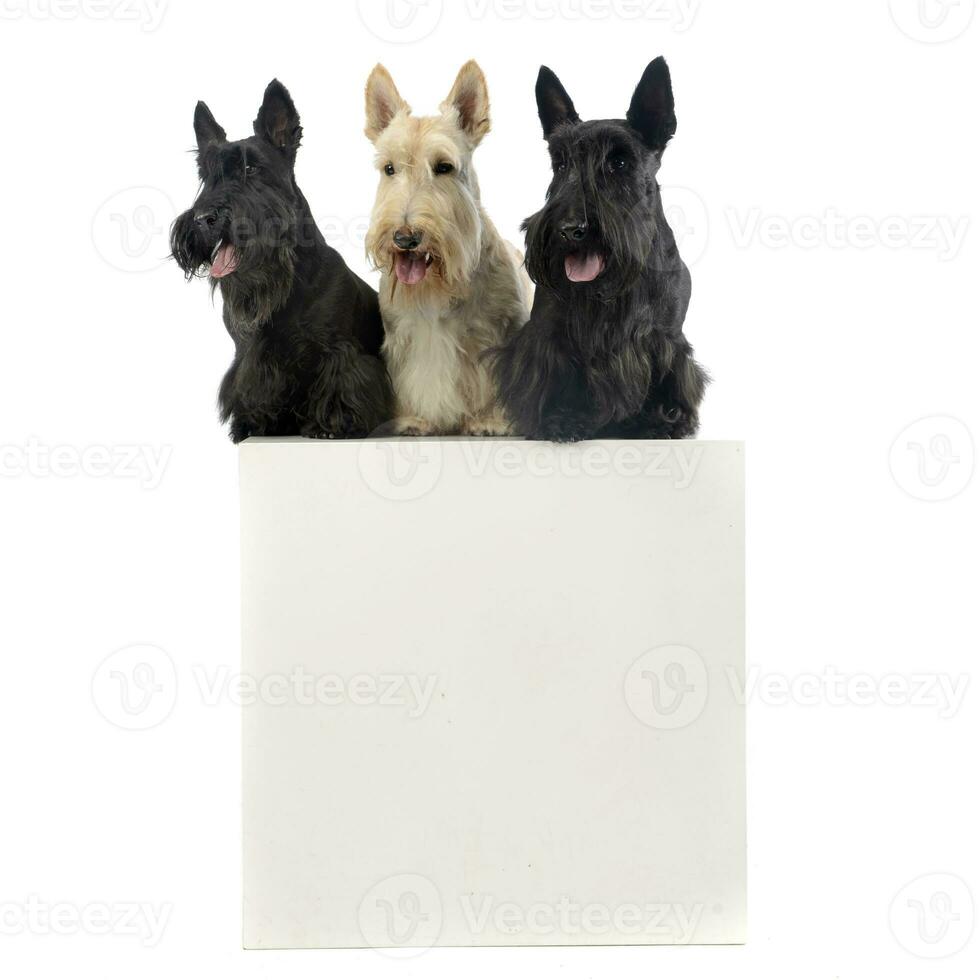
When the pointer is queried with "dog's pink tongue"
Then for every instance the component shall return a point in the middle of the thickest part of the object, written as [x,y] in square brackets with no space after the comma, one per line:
[583,268]
[409,267]
[225,262]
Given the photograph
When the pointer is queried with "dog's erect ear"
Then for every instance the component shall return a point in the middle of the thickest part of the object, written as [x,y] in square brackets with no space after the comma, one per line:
[278,120]
[651,113]
[206,128]
[381,102]
[554,105]
[470,100]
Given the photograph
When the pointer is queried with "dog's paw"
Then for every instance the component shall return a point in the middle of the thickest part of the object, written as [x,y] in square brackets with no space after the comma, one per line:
[414,427]
[487,427]
[337,424]
[239,430]
[669,422]
[333,429]
[565,428]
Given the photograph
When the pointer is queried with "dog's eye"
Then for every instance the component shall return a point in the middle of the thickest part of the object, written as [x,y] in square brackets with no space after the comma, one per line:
[443,168]
[617,162]
[251,170]
[560,166]
[389,170]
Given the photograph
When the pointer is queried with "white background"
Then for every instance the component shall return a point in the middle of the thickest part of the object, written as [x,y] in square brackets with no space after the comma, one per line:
[824,153]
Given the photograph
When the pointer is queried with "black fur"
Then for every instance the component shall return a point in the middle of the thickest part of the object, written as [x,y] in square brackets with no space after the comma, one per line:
[307,331]
[606,358]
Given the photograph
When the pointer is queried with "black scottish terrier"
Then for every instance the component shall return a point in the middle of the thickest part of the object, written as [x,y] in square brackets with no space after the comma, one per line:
[307,331]
[604,354]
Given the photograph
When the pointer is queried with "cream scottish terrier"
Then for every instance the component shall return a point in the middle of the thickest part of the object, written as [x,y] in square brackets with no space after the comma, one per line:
[451,287]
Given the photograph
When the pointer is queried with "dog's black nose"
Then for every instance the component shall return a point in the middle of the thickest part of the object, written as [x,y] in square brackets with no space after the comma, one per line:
[406,239]
[208,218]
[574,232]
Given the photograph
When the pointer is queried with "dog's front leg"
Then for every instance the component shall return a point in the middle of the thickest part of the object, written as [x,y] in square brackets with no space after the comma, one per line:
[250,400]
[542,390]
[672,405]
[350,397]
[569,412]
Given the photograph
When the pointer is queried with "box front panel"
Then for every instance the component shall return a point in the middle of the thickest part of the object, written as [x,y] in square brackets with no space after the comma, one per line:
[497,693]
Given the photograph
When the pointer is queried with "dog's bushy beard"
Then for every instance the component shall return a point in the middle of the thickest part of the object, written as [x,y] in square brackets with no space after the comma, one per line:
[622,225]
[265,231]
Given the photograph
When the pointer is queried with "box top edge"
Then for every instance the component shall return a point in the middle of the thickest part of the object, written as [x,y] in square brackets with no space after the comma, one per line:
[260,442]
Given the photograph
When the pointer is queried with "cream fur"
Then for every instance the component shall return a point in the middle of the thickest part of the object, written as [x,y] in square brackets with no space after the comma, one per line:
[475,293]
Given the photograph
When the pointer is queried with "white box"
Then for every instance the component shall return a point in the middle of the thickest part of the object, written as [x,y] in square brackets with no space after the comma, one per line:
[497,693]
